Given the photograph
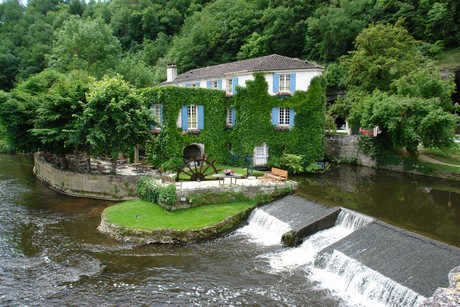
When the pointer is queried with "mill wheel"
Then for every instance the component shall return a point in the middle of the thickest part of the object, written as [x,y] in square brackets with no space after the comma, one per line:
[197,169]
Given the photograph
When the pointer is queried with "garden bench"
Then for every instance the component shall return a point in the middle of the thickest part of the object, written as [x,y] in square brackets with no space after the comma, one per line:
[276,174]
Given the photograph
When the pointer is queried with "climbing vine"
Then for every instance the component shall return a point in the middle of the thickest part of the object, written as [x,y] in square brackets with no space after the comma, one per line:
[253,126]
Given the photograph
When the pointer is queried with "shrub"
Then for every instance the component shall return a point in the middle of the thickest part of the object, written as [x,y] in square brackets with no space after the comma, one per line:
[167,195]
[149,190]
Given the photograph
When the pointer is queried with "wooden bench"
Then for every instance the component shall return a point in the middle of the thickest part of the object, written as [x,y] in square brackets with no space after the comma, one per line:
[276,174]
[170,180]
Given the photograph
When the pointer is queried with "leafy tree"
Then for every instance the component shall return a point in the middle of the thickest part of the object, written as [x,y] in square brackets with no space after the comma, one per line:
[115,118]
[18,110]
[383,53]
[87,45]
[56,115]
[406,122]
[332,28]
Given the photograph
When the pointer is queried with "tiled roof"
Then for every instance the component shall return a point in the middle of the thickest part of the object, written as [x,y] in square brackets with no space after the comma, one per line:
[266,63]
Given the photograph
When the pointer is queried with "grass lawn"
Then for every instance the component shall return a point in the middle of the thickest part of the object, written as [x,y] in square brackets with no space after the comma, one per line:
[142,215]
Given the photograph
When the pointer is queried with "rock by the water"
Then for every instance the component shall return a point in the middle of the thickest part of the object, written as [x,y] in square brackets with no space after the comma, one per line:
[446,297]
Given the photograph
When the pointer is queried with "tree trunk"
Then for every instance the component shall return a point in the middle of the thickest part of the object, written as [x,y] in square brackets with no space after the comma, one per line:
[114,166]
[65,164]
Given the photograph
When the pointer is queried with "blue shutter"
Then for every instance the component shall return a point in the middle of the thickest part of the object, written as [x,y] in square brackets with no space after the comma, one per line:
[186,84]
[275,113]
[151,114]
[200,110]
[208,84]
[161,114]
[197,84]
[292,83]
[219,84]
[234,84]
[233,116]
[184,118]
[276,83]
[291,117]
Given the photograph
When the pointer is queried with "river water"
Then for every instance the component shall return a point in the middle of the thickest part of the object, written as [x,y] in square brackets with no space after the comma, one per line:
[52,254]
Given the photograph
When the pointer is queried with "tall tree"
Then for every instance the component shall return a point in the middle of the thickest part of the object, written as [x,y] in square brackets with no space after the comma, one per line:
[115,118]
[87,45]
[55,119]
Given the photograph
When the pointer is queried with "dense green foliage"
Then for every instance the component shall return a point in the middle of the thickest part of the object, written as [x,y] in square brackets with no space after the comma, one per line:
[392,86]
[253,126]
[115,118]
[127,36]
[155,192]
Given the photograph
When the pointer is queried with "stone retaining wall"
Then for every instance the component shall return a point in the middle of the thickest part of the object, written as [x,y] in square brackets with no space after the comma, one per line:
[345,147]
[107,187]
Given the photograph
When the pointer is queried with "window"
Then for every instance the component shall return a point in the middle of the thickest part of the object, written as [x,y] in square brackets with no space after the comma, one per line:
[214,84]
[284,117]
[156,113]
[192,117]
[285,83]
[229,86]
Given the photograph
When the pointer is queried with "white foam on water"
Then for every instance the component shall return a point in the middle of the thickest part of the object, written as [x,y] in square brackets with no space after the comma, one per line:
[358,284]
[347,222]
[264,228]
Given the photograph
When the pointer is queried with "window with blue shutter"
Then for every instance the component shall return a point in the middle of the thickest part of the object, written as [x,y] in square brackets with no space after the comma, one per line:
[275,116]
[234,84]
[276,83]
[292,88]
[184,118]
[219,84]
[200,117]
[291,117]
[186,84]
[209,84]
[197,84]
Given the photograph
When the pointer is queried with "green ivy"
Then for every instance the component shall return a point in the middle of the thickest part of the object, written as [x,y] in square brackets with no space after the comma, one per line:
[253,126]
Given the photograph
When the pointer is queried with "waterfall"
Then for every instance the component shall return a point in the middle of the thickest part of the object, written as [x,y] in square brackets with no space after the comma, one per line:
[264,228]
[361,285]
[352,220]
[347,222]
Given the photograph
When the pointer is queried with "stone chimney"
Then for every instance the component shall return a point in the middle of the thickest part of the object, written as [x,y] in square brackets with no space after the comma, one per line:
[171,72]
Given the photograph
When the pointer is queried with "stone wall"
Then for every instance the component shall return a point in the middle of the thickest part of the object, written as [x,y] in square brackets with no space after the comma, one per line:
[345,147]
[108,187]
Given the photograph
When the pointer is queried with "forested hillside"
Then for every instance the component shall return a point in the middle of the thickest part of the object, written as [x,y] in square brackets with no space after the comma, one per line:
[137,38]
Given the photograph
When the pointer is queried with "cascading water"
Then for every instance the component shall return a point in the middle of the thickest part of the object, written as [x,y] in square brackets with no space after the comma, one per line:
[347,222]
[345,276]
[264,228]
[357,283]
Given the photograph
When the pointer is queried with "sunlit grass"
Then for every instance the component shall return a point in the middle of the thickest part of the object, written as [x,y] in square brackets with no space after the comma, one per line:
[143,215]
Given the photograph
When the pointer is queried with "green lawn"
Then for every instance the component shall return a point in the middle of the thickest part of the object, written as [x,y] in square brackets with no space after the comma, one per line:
[451,156]
[142,215]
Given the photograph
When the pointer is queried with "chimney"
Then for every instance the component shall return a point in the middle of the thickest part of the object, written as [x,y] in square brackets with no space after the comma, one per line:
[171,72]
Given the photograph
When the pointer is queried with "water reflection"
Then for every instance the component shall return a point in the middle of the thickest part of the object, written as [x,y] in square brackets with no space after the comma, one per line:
[429,206]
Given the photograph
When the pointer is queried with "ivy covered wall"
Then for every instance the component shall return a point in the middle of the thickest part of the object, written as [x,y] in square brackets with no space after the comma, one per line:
[253,126]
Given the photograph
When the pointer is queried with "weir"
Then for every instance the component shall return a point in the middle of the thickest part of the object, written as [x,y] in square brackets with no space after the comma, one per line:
[416,262]
[365,260]
[304,217]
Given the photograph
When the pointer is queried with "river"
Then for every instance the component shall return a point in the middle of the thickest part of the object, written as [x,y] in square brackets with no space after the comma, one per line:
[52,254]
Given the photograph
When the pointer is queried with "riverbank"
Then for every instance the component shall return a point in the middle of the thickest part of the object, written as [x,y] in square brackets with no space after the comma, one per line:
[142,222]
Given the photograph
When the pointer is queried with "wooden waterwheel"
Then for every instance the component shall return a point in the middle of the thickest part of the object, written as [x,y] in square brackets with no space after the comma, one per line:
[197,169]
